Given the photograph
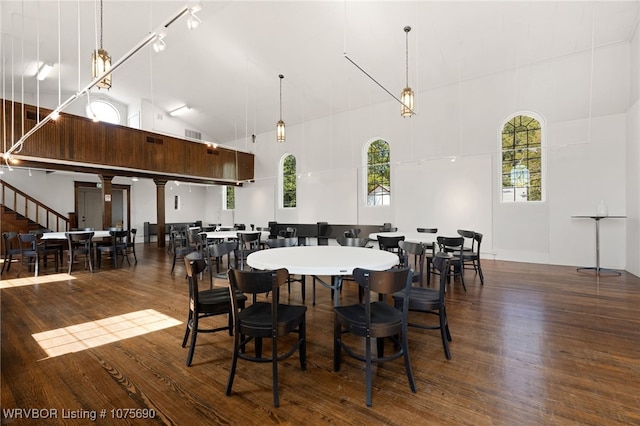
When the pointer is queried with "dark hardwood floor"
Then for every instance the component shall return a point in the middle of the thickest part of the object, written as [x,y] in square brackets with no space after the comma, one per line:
[536,345]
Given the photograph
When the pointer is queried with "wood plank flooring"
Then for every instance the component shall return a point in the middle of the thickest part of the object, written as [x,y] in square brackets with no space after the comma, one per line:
[537,344]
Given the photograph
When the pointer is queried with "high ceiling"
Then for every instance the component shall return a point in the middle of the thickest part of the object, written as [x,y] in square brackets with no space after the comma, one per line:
[227,69]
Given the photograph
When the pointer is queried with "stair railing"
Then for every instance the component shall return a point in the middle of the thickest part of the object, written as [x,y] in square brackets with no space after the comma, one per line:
[32,209]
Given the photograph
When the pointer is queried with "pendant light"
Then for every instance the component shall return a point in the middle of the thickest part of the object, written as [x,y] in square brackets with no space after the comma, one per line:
[406,97]
[101,62]
[280,136]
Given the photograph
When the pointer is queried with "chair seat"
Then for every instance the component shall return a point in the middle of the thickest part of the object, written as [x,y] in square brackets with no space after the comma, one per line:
[383,318]
[258,317]
[213,300]
[421,298]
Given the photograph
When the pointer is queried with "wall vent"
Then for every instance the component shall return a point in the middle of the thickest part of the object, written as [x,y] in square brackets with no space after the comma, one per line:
[157,141]
[192,134]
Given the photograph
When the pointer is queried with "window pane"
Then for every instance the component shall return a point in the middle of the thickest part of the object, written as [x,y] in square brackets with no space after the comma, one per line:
[378,173]
[522,160]
[289,182]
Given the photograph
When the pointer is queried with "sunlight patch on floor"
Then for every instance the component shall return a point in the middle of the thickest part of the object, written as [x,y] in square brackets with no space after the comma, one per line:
[42,279]
[79,337]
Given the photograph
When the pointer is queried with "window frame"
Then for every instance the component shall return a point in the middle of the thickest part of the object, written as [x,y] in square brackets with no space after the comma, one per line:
[91,109]
[225,198]
[543,158]
[365,168]
[281,178]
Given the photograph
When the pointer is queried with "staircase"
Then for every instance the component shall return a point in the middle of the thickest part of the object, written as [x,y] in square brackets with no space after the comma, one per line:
[22,213]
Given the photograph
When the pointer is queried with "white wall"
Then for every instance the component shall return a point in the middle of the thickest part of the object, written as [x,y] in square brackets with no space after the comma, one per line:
[591,155]
[633,159]
[585,117]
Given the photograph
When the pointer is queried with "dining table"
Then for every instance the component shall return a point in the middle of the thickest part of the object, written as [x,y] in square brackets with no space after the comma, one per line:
[334,261]
[425,238]
[62,236]
[231,235]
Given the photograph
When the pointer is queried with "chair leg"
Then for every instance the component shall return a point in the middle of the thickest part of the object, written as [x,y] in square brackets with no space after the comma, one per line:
[188,328]
[368,370]
[303,344]
[336,345]
[407,362]
[234,362]
[274,363]
[194,335]
[173,264]
[444,333]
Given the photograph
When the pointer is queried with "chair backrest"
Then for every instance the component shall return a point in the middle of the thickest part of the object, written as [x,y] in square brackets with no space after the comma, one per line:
[255,283]
[478,239]
[249,240]
[383,283]
[119,236]
[390,243]
[80,241]
[8,239]
[450,244]
[195,265]
[281,242]
[441,263]
[28,242]
[221,249]
[410,248]
[428,230]
[352,241]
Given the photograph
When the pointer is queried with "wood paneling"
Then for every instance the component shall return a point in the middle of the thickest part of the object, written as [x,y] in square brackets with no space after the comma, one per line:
[88,144]
[536,345]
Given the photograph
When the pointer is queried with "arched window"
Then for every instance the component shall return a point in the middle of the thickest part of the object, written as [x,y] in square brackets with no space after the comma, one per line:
[522,159]
[288,180]
[378,173]
[228,197]
[103,111]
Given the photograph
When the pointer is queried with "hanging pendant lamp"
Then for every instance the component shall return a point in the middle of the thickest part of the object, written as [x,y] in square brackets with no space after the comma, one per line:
[406,97]
[280,132]
[101,62]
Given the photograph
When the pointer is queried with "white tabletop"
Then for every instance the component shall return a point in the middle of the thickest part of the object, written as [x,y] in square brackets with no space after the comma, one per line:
[322,260]
[234,234]
[62,235]
[413,237]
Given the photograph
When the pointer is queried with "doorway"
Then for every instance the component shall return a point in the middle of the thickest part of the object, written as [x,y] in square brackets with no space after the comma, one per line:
[89,205]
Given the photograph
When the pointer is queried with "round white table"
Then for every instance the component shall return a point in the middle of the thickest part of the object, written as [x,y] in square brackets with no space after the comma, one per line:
[336,261]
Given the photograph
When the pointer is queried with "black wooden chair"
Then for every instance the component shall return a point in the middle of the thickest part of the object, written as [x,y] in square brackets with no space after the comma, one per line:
[391,244]
[131,244]
[180,246]
[11,247]
[471,253]
[205,303]
[262,320]
[214,253]
[248,242]
[32,251]
[455,246]
[431,301]
[375,320]
[418,251]
[289,242]
[80,244]
[117,247]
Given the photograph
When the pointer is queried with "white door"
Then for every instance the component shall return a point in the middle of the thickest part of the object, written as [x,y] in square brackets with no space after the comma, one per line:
[90,208]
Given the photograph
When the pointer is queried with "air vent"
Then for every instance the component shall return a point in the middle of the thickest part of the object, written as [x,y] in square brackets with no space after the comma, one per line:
[192,134]
[157,141]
